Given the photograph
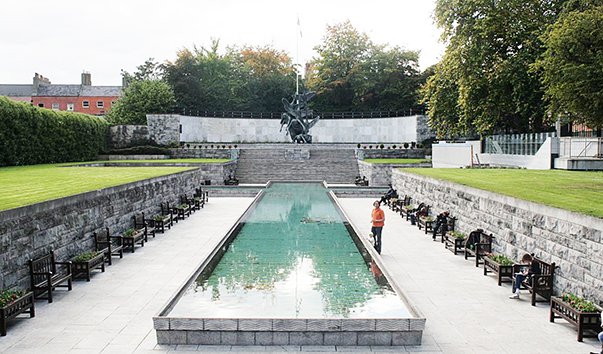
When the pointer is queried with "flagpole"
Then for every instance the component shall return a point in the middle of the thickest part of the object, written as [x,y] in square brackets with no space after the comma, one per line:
[297,56]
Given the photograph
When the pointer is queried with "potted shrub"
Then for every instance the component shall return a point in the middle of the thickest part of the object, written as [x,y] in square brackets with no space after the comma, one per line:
[358,145]
[499,264]
[454,241]
[131,237]
[406,145]
[84,263]
[14,303]
[578,311]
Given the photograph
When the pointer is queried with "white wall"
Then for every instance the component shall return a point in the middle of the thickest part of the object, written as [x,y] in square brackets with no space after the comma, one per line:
[373,130]
[454,155]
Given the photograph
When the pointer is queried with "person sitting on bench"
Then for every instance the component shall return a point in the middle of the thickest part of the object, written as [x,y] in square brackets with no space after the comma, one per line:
[441,222]
[528,269]
[391,193]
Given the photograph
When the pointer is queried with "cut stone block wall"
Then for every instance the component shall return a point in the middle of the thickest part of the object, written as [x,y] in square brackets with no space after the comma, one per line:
[390,154]
[380,174]
[121,136]
[66,224]
[573,241]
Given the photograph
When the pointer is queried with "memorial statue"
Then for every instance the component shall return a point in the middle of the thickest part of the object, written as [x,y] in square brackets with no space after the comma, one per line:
[299,118]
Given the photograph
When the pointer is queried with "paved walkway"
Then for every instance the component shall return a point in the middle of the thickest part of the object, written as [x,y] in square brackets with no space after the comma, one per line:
[466,312]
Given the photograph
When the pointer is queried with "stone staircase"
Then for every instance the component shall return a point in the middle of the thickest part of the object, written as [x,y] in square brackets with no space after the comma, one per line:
[296,164]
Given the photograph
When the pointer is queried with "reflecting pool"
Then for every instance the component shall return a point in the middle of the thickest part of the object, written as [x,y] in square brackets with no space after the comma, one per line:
[293,257]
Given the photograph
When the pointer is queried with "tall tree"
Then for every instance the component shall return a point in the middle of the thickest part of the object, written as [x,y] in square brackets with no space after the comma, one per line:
[141,98]
[490,47]
[352,73]
[242,79]
[572,70]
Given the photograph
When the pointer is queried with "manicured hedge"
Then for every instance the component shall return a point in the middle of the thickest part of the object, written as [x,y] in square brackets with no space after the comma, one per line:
[31,135]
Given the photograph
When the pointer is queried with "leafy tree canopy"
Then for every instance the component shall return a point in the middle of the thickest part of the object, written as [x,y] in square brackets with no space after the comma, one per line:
[351,73]
[141,98]
[572,65]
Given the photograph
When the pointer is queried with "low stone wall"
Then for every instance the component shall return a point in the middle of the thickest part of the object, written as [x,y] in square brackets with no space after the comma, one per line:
[66,224]
[573,241]
[390,153]
[380,174]
[201,153]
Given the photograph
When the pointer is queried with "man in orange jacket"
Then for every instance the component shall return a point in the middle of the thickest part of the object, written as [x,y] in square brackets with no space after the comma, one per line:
[377,220]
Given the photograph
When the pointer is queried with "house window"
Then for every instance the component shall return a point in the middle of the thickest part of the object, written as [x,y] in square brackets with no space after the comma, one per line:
[86,104]
[40,104]
[70,107]
[55,106]
[100,104]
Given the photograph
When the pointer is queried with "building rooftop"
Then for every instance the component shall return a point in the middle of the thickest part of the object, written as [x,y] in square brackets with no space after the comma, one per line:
[16,90]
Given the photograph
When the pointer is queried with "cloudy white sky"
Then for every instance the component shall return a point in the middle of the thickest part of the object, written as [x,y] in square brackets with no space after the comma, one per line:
[59,39]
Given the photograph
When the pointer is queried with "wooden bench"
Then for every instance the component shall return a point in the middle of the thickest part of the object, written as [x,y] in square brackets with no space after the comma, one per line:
[400,202]
[538,284]
[167,210]
[442,231]
[142,223]
[110,245]
[200,193]
[45,276]
[421,211]
[425,222]
[478,245]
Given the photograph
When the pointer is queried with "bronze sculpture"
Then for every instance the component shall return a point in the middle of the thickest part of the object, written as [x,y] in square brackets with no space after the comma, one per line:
[299,118]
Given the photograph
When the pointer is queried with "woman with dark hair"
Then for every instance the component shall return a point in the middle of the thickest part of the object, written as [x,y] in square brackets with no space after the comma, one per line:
[528,268]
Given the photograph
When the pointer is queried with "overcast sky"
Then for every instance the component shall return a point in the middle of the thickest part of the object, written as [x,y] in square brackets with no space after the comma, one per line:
[59,39]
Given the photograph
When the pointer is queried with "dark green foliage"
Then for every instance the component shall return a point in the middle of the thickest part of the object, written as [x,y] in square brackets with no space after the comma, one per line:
[141,98]
[85,257]
[31,135]
[351,73]
[141,150]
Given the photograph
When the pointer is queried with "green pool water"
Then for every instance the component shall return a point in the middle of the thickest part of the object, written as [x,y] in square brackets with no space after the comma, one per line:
[292,258]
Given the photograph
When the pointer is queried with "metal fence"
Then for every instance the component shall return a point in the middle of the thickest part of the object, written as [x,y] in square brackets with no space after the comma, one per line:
[581,147]
[277,115]
[516,144]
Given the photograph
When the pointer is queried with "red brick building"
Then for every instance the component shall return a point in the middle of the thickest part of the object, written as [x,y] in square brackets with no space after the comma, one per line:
[84,98]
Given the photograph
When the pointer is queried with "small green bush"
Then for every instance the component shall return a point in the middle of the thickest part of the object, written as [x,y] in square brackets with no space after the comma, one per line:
[9,296]
[85,257]
[579,303]
[141,150]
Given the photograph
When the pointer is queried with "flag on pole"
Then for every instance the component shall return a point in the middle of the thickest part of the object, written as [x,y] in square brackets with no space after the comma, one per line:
[299,27]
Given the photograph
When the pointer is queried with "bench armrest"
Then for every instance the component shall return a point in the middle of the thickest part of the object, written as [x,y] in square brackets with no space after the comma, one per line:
[41,273]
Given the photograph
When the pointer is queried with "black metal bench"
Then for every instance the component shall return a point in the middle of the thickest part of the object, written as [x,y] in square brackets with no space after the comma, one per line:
[478,245]
[538,284]
[110,245]
[45,276]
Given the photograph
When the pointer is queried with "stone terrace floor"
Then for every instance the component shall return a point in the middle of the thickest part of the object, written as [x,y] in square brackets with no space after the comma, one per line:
[466,312]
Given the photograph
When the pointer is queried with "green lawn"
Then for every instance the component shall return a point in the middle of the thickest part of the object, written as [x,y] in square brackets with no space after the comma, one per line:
[24,185]
[400,161]
[572,190]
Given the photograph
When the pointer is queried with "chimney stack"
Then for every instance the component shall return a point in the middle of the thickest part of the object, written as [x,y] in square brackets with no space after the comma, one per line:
[39,80]
[86,79]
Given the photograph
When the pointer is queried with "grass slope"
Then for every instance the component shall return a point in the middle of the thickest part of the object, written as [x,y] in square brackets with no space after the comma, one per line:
[572,190]
[25,185]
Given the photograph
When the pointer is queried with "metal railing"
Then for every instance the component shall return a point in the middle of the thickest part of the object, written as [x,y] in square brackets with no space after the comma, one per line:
[277,115]
[516,144]
[581,147]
